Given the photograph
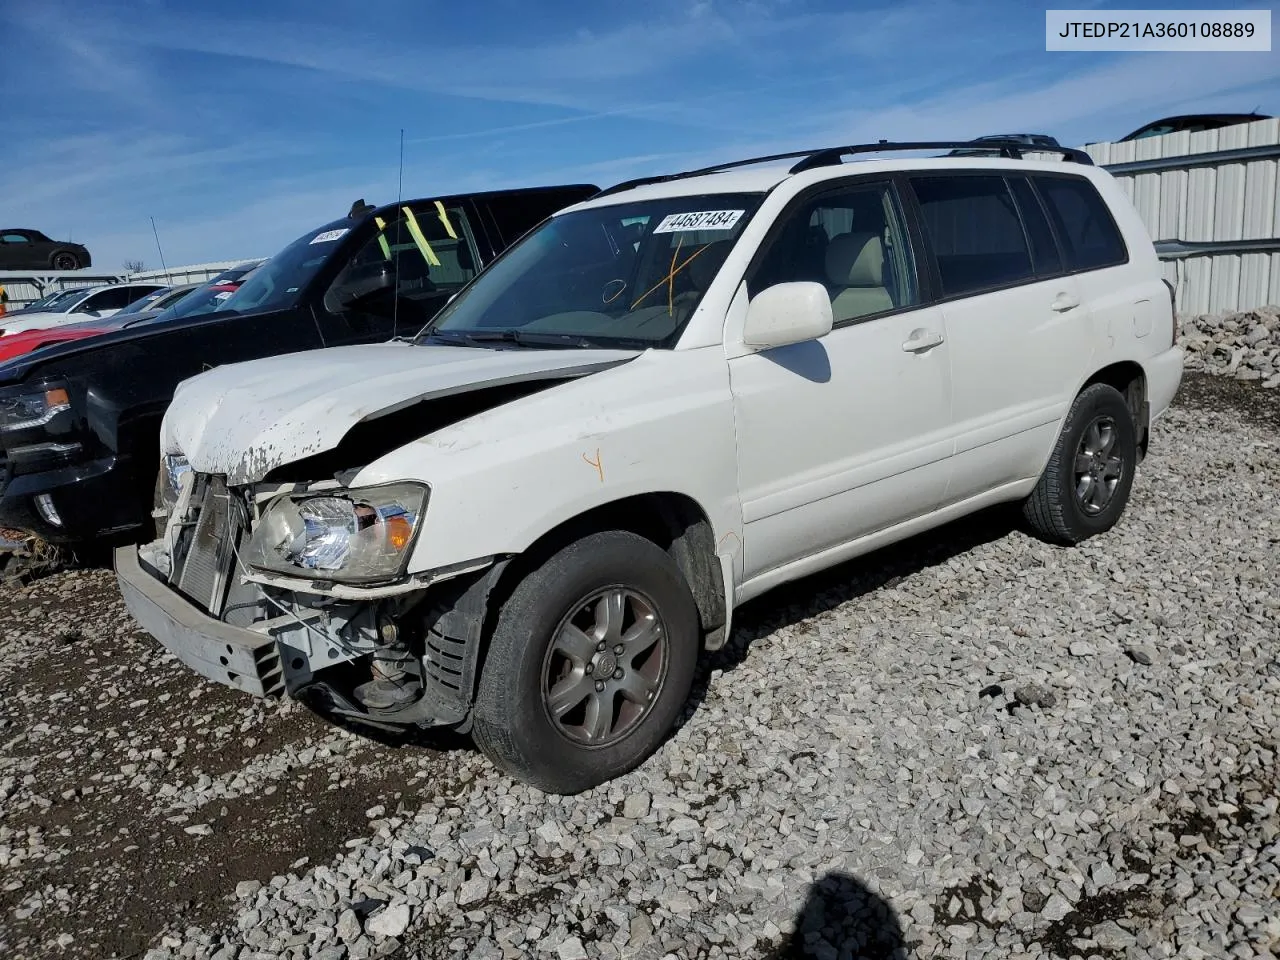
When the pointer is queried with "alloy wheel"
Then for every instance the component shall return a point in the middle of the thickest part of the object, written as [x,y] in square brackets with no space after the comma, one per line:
[605,666]
[1099,467]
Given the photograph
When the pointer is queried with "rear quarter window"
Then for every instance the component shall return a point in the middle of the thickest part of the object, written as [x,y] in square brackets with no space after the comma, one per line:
[516,215]
[1088,233]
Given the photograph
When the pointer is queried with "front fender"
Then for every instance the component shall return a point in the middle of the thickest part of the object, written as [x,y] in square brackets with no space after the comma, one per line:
[501,480]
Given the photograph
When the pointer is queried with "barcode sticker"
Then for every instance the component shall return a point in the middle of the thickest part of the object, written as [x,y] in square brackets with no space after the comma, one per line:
[699,220]
[329,235]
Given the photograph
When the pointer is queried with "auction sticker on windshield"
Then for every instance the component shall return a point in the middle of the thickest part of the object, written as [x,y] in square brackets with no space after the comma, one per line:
[699,220]
[329,235]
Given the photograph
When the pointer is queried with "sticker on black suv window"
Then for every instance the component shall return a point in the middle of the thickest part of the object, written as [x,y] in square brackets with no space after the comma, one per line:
[699,220]
[329,235]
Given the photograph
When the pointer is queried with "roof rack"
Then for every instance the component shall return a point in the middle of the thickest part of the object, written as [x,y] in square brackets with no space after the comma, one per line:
[833,156]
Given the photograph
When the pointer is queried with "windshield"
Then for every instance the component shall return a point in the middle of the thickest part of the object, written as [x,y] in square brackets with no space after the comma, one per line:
[45,301]
[61,300]
[631,273]
[145,302]
[277,283]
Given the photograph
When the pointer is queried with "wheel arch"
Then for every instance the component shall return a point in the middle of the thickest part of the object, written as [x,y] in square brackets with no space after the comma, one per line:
[1130,380]
[674,521]
[463,612]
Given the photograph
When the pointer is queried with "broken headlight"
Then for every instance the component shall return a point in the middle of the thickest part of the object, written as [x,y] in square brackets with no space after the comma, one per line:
[172,469]
[346,535]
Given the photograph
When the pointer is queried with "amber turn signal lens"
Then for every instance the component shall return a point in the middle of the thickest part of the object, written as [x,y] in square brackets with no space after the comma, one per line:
[399,532]
[56,398]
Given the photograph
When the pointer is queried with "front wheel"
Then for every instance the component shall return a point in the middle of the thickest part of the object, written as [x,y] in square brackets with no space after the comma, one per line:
[1086,485]
[589,665]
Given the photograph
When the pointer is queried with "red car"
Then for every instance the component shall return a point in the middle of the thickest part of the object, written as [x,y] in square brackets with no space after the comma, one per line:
[204,299]
[20,343]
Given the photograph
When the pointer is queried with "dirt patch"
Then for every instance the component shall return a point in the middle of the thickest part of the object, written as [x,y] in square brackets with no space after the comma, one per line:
[1236,398]
[104,735]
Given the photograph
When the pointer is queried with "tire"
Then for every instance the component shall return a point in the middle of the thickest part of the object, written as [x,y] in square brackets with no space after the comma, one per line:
[1065,507]
[552,610]
[64,260]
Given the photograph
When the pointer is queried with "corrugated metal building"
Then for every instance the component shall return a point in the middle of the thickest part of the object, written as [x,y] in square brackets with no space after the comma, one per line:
[1211,203]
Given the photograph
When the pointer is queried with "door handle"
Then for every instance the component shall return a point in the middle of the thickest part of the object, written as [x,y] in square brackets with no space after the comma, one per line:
[921,340]
[1064,302]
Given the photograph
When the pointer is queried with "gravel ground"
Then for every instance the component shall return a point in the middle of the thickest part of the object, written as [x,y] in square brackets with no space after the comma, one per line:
[971,745]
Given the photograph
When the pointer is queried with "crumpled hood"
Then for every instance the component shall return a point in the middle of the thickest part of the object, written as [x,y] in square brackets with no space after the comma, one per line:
[245,419]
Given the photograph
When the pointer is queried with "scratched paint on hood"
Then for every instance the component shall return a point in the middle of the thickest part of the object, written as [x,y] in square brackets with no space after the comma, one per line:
[245,419]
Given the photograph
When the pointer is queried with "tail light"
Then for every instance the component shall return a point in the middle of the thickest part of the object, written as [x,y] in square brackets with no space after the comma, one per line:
[1173,313]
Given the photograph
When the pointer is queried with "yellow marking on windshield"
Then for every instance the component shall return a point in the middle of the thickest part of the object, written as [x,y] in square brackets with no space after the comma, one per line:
[671,286]
[444,218]
[670,278]
[416,232]
[382,240]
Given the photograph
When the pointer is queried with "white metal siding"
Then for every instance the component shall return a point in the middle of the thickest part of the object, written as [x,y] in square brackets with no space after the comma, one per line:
[1227,201]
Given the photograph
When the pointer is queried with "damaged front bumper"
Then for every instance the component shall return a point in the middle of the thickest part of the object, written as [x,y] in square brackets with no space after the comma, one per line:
[335,646]
[240,658]
[287,654]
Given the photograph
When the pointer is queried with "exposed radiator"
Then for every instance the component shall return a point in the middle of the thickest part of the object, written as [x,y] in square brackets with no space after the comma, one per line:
[202,575]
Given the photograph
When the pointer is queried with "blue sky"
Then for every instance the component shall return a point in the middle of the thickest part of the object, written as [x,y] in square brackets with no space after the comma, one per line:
[239,125]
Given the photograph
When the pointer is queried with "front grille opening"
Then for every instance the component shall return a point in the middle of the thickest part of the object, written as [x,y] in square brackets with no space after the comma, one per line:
[205,555]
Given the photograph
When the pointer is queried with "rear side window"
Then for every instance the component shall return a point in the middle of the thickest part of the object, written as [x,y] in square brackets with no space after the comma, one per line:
[518,214]
[1044,251]
[974,230]
[1084,224]
[113,298]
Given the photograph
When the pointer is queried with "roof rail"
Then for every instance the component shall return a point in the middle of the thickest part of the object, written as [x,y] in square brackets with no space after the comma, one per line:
[1011,149]
[832,156]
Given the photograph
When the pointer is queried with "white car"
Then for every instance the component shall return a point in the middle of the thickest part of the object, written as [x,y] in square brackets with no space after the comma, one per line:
[530,521]
[87,303]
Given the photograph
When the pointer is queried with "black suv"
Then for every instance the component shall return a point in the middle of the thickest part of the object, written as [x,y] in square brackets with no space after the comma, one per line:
[79,422]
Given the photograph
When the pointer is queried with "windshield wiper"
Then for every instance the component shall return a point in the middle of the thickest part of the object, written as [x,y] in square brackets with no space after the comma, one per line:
[516,337]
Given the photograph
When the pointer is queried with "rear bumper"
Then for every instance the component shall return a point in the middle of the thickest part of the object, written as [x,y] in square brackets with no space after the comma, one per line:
[222,653]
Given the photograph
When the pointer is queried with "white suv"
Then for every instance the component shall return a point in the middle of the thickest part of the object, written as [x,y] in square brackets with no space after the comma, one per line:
[529,520]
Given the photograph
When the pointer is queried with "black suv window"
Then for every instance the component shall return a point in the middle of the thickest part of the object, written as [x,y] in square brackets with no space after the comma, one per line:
[975,232]
[517,214]
[428,251]
[1084,223]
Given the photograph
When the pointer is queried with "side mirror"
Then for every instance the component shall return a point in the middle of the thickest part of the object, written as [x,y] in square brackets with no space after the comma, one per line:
[787,313]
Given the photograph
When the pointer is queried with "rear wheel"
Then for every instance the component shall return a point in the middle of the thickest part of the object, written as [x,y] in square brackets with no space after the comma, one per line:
[590,664]
[1086,485]
[64,260]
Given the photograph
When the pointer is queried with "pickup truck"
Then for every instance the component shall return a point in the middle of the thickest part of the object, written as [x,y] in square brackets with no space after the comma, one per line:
[80,421]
